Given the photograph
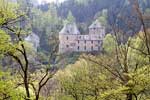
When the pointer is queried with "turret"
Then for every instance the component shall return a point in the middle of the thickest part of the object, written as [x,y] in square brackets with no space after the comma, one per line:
[69,29]
[96,28]
[34,40]
[67,36]
[146,19]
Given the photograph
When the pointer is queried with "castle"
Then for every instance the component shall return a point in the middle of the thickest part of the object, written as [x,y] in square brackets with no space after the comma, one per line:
[34,40]
[72,41]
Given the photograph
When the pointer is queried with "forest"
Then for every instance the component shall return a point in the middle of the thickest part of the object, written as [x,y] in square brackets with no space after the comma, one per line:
[32,68]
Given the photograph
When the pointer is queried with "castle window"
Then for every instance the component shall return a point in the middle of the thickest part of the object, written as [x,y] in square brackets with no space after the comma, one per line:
[67,46]
[67,31]
[67,37]
[92,48]
[78,47]
[85,41]
[92,41]
[78,41]
[99,48]
[72,44]
[84,47]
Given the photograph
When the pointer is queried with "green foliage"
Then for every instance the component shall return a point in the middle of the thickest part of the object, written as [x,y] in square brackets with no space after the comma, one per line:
[46,24]
[120,71]
[7,88]
[83,2]
[135,56]
[7,11]
[4,42]
[102,16]
[70,18]
[147,10]
[109,44]
[45,21]
[82,80]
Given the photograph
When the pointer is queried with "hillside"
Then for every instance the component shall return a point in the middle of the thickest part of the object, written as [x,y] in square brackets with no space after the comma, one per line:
[75,50]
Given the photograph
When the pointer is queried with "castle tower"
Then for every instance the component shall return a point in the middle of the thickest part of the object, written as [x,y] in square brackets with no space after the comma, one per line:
[146,19]
[72,41]
[97,34]
[34,40]
[97,28]
[67,37]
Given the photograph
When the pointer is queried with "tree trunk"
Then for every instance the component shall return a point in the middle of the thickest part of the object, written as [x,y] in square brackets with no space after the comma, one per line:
[129,96]
[38,94]
[37,97]
[26,86]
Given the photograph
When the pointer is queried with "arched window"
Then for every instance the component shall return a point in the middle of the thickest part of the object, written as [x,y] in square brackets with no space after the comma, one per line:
[92,48]
[67,37]
[78,41]
[84,47]
[78,47]
[67,46]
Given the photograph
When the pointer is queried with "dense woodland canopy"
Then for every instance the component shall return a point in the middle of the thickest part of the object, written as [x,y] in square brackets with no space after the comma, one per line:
[121,71]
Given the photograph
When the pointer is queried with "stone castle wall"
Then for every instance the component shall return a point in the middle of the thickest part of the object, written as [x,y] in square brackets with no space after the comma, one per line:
[82,43]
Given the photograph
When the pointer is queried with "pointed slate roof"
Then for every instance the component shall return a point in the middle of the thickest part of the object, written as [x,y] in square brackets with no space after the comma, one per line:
[34,39]
[95,24]
[70,28]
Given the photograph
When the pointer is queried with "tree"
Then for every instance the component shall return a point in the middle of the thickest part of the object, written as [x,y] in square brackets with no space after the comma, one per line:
[122,66]
[109,40]
[13,45]
[70,18]
[46,24]
[8,89]
[82,81]
[102,16]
